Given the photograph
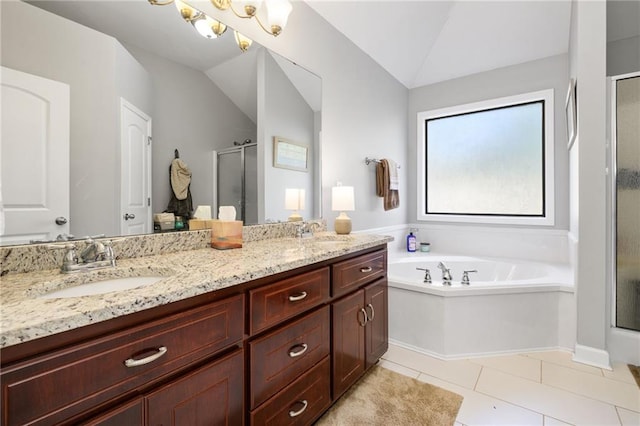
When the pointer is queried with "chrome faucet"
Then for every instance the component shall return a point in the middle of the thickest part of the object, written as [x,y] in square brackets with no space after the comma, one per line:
[465,277]
[307,229]
[96,255]
[427,275]
[446,274]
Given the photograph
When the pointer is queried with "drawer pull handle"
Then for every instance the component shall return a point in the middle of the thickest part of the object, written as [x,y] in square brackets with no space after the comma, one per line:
[294,354]
[297,297]
[366,269]
[373,312]
[136,362]
[300,411]
[364,314]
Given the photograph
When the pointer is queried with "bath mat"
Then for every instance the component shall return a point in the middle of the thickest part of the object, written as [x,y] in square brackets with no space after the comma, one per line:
[635,371]
[383,397]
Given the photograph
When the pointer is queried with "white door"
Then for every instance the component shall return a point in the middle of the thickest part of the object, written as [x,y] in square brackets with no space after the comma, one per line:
[135,187]
[34,158]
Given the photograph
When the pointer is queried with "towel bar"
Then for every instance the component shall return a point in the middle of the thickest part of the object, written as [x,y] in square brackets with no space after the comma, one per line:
[368,161]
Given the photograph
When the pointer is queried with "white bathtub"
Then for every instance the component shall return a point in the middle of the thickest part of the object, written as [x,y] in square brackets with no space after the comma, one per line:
[509,306]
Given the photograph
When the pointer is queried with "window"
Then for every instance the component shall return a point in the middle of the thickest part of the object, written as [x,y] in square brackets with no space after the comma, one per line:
[488,162]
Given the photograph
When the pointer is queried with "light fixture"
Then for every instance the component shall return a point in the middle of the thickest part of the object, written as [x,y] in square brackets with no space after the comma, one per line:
[211,28]
[342,200]
[294,200]
[277,12]
[243,42]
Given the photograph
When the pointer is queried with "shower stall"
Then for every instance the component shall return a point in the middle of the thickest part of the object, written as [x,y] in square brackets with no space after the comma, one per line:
[236,180]
[625,125]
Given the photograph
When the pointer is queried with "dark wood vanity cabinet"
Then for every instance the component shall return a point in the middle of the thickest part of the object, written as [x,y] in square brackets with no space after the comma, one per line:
[360,333]
[302,339]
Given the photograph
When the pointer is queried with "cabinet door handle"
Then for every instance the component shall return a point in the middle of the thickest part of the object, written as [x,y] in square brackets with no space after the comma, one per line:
[373,312]
[366,269]
[136,362]
[364,314]
[298,296]
[300,411]
[293,353]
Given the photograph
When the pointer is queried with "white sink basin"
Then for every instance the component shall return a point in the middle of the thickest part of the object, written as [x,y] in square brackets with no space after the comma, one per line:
[102,286]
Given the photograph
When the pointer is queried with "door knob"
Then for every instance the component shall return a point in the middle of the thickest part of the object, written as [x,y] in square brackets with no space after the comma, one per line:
[61,220]
[128,216]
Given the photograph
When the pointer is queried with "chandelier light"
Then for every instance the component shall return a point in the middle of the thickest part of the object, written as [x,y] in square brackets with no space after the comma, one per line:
[276,12]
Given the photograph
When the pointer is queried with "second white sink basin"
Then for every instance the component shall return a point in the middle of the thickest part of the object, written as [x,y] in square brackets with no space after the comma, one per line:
[102,286]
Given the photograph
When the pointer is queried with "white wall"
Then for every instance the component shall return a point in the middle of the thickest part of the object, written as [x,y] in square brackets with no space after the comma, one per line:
[193,115]
[588,158]
[364,109]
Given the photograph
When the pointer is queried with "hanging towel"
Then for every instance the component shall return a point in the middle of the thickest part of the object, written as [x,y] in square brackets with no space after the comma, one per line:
[180,178]
[393,175]
[391,196]
[180,203]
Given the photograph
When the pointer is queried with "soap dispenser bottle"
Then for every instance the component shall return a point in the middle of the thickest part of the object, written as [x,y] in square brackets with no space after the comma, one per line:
[411,242]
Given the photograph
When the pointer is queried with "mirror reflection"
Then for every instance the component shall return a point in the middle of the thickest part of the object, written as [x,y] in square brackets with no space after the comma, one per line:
[135,84]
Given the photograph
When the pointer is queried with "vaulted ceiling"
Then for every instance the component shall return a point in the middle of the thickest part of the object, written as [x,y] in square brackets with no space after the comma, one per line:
[419,42]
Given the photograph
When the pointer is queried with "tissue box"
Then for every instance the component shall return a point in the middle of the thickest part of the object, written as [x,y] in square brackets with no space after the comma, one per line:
[195,224]
[165,220]
[226,234]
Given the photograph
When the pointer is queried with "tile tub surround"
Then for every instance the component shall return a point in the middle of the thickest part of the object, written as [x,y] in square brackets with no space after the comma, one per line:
[195,272]
[37,257]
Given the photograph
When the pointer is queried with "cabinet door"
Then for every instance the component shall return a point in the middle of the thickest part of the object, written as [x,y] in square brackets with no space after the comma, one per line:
[377,329]
[211,395]
[349,318]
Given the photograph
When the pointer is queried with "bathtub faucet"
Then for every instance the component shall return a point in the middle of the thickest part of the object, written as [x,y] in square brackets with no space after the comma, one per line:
[446,274]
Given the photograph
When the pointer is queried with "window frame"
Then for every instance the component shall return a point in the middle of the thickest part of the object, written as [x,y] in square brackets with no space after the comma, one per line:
[548,217]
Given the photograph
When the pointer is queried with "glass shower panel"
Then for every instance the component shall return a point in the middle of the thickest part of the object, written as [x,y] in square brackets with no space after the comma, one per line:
[230,176]
[627,130]
[251,184]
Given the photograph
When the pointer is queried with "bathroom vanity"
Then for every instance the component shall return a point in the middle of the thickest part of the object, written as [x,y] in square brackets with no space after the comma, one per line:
[272,333]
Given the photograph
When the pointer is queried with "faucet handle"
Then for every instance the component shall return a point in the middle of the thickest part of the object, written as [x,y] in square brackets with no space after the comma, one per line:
[70,256]
[465,276]
[427,275]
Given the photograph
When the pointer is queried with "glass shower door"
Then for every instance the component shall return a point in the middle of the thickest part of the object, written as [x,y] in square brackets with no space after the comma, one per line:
[627,201]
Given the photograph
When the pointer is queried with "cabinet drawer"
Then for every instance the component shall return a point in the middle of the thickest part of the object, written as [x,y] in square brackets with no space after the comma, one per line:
[299,403]
[278,358]
[351,274]
[276,302]
[67,382]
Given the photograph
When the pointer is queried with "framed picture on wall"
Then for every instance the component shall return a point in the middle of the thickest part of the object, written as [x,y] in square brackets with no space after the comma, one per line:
[291,155]
[571,114]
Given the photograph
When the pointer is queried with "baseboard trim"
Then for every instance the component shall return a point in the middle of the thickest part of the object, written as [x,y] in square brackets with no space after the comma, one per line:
[592,356]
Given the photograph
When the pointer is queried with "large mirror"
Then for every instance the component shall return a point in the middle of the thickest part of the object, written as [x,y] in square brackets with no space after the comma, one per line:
[131,73]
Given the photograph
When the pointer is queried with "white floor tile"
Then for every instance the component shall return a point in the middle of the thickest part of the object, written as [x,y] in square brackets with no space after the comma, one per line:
[400,369]
[460,372]
[479,409]
[620,372]
[628,417]
[518,365]
[614,392]
[541,398]
[565,359]
[550,421]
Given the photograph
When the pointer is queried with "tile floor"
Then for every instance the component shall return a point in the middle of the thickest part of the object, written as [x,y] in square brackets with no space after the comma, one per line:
[538,388]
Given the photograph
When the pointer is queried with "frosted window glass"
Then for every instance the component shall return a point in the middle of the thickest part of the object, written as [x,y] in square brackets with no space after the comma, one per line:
[487,162]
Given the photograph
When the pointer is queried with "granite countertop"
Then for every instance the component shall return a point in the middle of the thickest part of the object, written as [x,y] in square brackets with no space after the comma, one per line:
[188,273]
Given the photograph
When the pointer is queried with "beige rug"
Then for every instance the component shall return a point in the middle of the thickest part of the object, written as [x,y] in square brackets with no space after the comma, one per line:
[385,398]
[635,371]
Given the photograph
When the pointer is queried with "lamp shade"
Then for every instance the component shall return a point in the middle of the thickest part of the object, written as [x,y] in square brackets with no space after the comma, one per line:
[277,14]
[294,199]
[342,198]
